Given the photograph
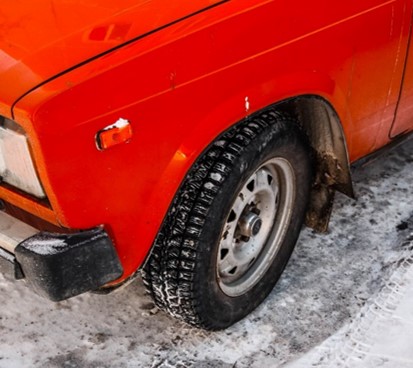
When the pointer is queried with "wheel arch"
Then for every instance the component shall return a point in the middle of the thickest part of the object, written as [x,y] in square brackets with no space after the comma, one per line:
[323,127]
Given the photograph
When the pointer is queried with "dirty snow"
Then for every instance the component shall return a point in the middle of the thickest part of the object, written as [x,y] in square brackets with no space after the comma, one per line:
[381,335]
[324,304]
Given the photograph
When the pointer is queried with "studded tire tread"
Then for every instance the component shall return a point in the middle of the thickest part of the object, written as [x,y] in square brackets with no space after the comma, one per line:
[170,272]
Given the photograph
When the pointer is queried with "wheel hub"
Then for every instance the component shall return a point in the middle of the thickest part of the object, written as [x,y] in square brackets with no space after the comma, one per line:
[250,224]
[255,227]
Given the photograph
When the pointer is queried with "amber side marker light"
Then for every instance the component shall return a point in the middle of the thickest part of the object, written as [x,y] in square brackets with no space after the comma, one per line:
[112,135]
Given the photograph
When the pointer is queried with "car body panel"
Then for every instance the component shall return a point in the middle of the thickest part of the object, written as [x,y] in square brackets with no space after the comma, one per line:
[44,38]
[404,116]
[182,86]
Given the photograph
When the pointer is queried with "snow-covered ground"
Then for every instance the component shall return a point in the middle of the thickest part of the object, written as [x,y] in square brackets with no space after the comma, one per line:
[381,335]
[345,300]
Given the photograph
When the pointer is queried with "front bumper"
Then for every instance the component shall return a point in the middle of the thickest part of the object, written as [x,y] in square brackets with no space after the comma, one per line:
[58,266]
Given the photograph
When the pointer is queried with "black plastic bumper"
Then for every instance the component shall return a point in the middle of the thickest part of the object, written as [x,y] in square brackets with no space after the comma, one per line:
[60,266]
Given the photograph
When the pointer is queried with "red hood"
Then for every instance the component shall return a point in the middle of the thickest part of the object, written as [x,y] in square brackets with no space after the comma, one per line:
[40,39]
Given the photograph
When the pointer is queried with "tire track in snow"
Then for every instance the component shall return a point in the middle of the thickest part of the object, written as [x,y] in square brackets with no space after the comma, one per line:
[355,345]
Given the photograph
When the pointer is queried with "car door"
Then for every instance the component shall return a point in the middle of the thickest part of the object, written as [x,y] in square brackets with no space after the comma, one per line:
[404,115]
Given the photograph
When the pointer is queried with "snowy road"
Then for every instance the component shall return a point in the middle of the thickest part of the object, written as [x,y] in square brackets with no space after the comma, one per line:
[310,320]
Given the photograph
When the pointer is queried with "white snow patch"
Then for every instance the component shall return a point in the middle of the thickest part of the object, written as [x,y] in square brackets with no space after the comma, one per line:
[49,245]
[216,176]
[120,123]
[46,246]
[247,104]
[209,185]
[220,143]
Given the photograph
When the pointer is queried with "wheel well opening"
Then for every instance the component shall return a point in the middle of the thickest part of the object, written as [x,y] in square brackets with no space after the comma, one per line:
[332,168]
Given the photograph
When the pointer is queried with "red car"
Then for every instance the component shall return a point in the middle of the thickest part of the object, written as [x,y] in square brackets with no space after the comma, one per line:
[188,139]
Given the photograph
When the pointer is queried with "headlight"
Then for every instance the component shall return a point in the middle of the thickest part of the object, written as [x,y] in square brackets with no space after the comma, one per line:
[16,165]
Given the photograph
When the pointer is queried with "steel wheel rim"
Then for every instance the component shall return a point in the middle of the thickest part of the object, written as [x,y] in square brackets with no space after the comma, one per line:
[255,227]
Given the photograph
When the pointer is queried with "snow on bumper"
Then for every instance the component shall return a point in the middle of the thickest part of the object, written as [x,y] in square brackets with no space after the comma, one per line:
[59,266]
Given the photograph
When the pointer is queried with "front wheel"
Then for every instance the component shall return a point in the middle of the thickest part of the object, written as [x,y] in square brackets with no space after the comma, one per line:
[233,224]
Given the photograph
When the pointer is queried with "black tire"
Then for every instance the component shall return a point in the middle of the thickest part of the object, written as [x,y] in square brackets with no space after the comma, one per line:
[184,273]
